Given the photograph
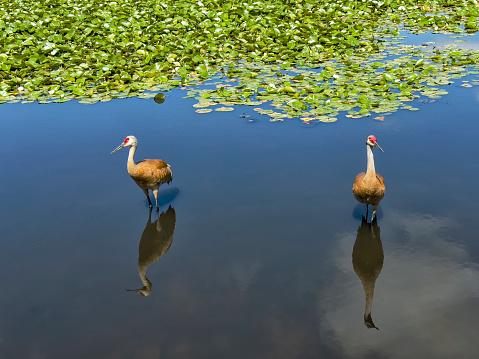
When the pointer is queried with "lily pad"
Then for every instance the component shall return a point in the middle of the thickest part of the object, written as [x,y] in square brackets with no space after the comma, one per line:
[160,98]
[204,110]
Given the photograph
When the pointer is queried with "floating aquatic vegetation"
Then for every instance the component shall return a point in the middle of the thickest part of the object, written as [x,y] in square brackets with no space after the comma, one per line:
[159,98]
[204,110]
[357,85]
[310,59]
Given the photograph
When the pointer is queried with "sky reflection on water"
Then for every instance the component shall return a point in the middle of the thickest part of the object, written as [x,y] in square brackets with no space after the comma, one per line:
[426,295]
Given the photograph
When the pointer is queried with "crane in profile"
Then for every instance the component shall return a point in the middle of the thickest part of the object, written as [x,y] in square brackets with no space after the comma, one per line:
[369,187]
[148,174]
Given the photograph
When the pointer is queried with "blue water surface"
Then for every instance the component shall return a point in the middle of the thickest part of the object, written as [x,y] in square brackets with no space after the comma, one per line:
[261,260]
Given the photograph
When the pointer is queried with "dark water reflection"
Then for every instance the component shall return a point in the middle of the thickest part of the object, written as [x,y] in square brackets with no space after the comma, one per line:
[368,260]
[154,243]
[266,230]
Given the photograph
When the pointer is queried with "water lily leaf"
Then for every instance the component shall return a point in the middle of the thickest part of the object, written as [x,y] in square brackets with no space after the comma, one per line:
[160,98]
[78,91]
[204,110]
[327,119]
[308,119]
[203,104]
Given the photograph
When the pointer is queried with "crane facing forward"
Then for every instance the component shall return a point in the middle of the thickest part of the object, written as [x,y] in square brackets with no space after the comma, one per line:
[148,174]
[369,187]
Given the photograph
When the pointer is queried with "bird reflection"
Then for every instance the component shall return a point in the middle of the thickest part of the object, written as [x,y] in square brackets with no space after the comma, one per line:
[368,259]
[155,242]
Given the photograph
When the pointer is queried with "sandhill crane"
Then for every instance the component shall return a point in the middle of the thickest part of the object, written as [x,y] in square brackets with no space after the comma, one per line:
[148,174]
[368,259]
[154,243]
[369,187]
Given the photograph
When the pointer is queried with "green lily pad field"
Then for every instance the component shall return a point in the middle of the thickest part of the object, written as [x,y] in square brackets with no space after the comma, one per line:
[309,59]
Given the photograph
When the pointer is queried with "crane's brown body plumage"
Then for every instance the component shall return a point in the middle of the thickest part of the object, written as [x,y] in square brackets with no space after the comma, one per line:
[150,174]
[369,189]
[369,186]
[147,174]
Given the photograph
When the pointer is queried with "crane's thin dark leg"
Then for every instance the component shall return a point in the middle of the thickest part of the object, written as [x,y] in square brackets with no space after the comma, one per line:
[149,217]
[148,197]
[367,211]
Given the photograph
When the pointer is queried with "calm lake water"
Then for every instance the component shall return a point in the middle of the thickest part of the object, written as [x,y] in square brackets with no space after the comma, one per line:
[259,239]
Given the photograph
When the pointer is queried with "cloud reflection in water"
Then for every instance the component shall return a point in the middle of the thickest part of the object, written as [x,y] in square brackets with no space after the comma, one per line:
[427,289]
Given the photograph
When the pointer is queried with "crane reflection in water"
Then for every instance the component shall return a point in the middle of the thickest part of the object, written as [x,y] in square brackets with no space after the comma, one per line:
[368,259]
[155,242]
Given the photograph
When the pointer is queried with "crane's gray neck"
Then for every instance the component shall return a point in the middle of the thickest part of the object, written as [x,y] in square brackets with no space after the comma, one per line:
[369,291]
[370,170]
[131,155]
[142,272]
[147,286]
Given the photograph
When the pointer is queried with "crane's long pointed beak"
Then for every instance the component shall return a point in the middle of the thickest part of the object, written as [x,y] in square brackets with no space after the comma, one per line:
[121,146]
[376,145]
